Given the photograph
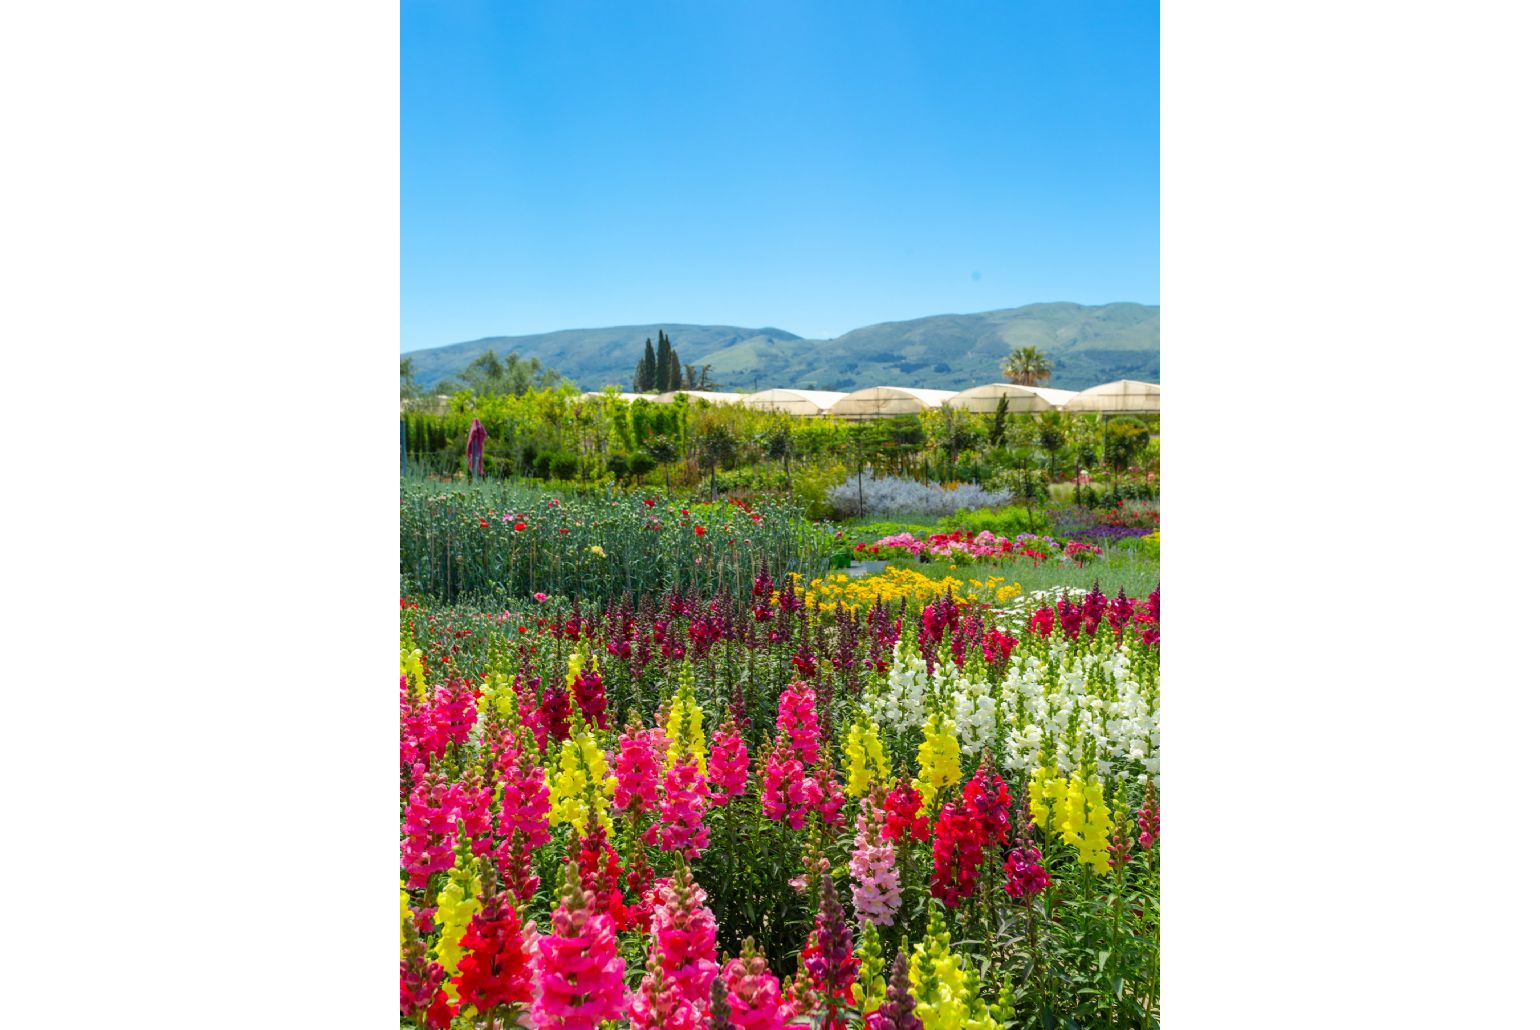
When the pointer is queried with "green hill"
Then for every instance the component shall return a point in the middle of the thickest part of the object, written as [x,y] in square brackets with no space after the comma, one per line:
[1086,345]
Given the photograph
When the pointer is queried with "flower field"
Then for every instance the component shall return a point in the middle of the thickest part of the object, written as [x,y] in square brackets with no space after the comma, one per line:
[735,802]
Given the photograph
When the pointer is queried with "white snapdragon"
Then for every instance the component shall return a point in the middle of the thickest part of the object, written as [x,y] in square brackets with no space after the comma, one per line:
[974,712]
[900,702]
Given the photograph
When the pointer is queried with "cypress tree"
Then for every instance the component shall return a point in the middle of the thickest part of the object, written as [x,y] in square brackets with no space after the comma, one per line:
[675,380]
[665,354]
[647,373]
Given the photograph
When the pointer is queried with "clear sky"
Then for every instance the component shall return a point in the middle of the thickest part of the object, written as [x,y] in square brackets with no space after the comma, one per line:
[814,166]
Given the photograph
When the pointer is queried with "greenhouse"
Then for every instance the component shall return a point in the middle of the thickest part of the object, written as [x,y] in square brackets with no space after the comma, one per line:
[793,402]
[887,401]
[1020,400]
[1123,397]
[700,395]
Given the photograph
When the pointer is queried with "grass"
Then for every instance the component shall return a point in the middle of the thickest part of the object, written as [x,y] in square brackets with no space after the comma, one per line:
[1123,567]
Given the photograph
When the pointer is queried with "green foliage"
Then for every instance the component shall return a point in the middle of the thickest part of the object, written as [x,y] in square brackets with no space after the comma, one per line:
[999,521]
[1125,437]
[640,464]
[490,375]
[687,443]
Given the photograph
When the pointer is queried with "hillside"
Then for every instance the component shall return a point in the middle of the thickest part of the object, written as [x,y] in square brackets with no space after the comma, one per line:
[1086,344]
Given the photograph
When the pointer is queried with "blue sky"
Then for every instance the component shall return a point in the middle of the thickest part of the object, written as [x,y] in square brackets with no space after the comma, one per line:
[813,166]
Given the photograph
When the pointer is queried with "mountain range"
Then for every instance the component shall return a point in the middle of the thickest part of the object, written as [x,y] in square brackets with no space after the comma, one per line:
[1086,345]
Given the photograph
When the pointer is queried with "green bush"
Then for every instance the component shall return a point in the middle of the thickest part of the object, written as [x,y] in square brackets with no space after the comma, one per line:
[1009,521]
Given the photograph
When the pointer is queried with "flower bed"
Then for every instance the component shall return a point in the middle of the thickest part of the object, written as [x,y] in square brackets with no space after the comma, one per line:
[754,811]
[961,545]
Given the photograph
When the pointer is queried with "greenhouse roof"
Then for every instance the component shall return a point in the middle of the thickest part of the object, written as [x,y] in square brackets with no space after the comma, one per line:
[793,402]
[984,400]
[1124,395]
[883,401]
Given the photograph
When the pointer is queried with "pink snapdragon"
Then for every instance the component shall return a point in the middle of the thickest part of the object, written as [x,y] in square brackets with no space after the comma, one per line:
[684,940]
[788,794]
[797,718]
[416,728]
[829,797]
[453,713]
[473,807]
[580,973]
[636,770]
[428,831]
[681,826]
[523,822]
[754,994]
[873,870]
[727,766]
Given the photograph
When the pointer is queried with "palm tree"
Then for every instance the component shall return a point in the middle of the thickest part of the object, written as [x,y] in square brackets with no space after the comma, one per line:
[1026,366]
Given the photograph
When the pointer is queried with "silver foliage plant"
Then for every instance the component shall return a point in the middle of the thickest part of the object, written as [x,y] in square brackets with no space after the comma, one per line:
[891,495]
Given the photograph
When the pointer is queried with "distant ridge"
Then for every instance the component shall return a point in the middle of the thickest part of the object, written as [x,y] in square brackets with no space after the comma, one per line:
[1087,345]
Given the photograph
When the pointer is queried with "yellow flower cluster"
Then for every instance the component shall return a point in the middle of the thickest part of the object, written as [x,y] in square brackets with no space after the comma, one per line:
[457,902]
[865,759]
[411,668]
[497,696]
[684,728]
[890,586]
[939,753]
[1078,811]
[946,993]
[1040,792]
[894,584]
[583,785]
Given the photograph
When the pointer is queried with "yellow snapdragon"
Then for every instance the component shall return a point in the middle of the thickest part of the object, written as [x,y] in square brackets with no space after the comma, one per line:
[946,994]
[457,902]
[685,726]
[866,761]
[1080,815]
[411,668]
[497,696]
[583,785]
[939,754]
[1041,789]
